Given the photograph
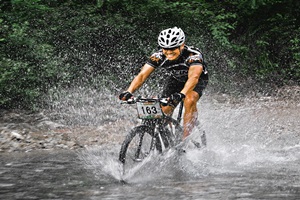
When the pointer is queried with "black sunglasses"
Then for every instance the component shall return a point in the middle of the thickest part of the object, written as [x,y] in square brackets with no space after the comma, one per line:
[171,49]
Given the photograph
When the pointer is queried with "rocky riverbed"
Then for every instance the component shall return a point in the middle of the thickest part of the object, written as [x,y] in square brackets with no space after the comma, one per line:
[26,131]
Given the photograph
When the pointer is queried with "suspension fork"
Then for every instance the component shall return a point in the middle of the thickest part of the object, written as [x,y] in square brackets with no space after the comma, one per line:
[149,124]
[152,126]
[138,151]
[158,130]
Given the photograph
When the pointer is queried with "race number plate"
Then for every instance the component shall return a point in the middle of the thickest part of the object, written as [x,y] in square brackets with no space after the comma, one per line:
[149,110]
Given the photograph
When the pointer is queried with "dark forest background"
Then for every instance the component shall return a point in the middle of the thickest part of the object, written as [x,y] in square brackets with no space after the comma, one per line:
[251,46]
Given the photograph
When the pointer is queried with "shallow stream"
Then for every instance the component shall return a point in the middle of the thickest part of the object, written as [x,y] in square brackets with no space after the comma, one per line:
[253,152]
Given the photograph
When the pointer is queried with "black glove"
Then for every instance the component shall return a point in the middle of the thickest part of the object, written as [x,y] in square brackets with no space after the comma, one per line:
[175,98]
[125,96]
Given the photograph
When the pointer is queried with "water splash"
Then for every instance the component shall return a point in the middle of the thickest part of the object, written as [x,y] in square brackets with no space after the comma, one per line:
[244,135]
[102,161]
[251,134]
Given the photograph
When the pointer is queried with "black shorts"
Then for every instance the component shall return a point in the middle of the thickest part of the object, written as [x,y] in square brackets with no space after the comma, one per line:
[172,86]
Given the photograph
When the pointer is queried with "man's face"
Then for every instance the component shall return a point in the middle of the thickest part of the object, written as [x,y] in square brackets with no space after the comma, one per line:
[173,53]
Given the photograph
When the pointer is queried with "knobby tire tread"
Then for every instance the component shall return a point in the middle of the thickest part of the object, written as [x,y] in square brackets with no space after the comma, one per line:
[137,130]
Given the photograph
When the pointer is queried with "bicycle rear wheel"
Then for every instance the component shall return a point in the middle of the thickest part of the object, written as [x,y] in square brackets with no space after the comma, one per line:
[137,145]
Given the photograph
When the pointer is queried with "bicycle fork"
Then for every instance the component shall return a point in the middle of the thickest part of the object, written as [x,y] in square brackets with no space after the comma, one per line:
[138,151]
[152,144]
[157,134]
[156,137]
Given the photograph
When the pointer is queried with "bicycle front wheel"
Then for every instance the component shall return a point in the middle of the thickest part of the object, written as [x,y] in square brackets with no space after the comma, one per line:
[137,145]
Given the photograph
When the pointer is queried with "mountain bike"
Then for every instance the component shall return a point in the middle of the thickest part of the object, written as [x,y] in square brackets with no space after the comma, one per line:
[157,131]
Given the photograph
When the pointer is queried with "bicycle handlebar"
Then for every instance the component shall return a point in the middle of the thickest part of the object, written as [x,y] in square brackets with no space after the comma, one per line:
[163,101]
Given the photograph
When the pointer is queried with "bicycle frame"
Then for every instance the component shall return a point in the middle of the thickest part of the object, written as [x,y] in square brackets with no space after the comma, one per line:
[180,112]
[156,124]
[163,129]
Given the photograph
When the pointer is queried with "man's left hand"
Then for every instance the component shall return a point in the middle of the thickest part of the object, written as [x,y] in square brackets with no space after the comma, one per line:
[176,98]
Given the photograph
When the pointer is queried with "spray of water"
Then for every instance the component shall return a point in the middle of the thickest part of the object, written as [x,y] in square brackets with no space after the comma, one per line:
[102,161]
[251,133]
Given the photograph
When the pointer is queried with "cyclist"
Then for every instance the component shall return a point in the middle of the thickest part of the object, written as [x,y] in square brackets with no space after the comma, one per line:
[187,75]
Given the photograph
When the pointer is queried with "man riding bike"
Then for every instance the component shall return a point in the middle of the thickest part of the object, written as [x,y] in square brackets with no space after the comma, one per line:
[187,75]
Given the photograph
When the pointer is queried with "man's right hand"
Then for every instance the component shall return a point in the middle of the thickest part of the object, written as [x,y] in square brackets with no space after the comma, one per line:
[125,96]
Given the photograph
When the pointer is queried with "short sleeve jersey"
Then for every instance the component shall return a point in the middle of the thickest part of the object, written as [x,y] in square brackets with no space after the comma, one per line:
[178,69]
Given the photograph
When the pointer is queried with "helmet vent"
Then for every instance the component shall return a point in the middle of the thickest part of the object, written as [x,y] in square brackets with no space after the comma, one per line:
[170,38]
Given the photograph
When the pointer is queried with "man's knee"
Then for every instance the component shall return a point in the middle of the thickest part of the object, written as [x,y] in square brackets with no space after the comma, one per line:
[168,110]
[191,99]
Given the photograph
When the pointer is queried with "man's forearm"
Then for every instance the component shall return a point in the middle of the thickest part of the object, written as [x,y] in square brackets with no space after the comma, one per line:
[136,84]
[189,85]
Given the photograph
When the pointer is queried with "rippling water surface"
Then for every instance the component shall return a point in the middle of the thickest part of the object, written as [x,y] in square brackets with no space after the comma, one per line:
[253,152]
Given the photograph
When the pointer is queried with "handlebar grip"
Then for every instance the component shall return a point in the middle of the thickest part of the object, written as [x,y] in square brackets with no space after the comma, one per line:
[164,102]
[129,101]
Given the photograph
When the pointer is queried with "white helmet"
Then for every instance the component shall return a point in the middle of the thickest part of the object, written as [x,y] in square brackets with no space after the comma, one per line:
[171,37]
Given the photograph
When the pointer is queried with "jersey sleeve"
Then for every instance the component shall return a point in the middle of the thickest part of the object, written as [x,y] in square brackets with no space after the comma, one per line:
[195,59]
[155,59]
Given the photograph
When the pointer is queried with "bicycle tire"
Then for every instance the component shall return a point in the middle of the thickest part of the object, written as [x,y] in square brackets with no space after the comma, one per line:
[135,146]
[132,145]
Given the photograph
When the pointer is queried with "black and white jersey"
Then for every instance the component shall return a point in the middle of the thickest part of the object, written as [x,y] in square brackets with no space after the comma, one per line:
[178,69]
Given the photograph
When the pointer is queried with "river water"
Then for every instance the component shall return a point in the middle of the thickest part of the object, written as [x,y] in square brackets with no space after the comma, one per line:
[253,152]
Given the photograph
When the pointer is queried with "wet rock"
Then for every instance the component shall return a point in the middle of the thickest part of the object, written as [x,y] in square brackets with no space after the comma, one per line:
[50,125]
[16,135]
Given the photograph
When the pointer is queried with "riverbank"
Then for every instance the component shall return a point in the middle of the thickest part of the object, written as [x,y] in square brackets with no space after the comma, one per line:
[23,131]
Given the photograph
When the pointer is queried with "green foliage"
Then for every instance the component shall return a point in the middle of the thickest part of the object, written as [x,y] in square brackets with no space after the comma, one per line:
[14,81]
[50,44]
[294,70]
